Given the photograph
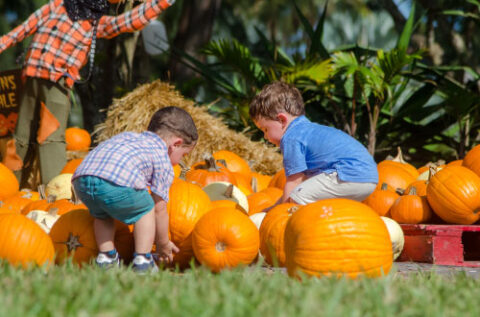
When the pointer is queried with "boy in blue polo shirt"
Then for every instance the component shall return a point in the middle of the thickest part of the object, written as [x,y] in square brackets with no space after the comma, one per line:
[320,162]
[112,182]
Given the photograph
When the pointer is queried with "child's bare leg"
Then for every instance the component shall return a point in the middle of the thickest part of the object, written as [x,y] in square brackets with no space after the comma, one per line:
[144,232]
[104,234]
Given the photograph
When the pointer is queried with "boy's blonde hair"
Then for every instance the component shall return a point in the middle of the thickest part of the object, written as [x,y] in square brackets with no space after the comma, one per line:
[174,121]
[275,98]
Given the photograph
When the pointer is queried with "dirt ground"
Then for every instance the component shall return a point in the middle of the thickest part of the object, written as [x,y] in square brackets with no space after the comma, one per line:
[408,268]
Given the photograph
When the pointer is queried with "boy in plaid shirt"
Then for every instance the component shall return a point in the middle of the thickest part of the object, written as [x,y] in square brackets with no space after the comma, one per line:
[112,182]
[64,34]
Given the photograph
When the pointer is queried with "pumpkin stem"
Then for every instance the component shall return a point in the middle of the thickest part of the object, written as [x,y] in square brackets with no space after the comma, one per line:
[432,170]
[51,199]
[41,191]
[384,186]
[400,191]
[210,164]
[53,211]
[413,191]
[229,192]
[183,170]
[223,162]
[399,157]
[254,184]
[34,215]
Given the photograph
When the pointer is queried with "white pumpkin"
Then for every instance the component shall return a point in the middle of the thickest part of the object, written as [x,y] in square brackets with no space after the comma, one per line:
[258,218]
[45,219]
[396,236]
[60,186]
[227,191]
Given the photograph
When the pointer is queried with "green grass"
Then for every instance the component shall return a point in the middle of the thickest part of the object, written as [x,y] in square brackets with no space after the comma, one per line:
[253,291]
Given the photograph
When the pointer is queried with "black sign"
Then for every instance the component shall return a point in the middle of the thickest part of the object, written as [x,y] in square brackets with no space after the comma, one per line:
[10,93]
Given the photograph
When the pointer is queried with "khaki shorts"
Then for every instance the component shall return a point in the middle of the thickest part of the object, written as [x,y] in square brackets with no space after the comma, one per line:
[324,186]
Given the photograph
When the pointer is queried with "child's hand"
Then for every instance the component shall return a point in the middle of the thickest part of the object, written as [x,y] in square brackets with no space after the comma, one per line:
[165,252]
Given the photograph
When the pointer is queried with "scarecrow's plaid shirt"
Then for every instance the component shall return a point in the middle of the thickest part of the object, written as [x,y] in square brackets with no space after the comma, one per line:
[60,46]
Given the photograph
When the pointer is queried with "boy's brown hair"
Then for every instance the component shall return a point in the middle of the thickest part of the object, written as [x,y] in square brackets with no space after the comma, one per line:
[174,121]
[274,98]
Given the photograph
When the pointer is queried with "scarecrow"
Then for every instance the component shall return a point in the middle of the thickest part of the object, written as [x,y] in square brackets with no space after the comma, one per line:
[64,37]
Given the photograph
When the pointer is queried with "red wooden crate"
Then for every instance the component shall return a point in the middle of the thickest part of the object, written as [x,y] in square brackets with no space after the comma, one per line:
[442,244]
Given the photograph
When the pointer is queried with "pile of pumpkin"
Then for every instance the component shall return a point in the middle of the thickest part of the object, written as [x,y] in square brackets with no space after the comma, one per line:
[434,193]
[216,219]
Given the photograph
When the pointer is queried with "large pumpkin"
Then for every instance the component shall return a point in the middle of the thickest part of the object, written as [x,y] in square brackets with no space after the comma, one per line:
[186,204]
[73,236]
[337,237]
[225,238]
[454,195]
[23,242]
[272,232]
[8,182]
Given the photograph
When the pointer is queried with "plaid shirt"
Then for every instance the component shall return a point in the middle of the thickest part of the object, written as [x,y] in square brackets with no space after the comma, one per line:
[60,47]
[135,160]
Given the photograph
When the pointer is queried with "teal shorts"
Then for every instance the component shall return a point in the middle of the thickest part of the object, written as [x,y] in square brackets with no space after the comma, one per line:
[105,199]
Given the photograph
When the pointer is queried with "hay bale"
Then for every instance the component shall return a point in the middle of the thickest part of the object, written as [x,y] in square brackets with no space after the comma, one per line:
[133,113]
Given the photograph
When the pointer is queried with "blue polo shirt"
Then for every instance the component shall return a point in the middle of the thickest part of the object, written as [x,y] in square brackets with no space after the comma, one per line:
[313,148]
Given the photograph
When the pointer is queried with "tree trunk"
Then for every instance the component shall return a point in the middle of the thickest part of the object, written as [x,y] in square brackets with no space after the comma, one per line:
[194,31]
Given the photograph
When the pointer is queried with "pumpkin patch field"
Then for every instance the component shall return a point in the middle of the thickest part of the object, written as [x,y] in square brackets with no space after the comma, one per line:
[333,256]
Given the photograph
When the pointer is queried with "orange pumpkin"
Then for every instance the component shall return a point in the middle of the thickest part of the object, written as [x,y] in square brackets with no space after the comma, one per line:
[381,200]
[233,162]
[186,204]
[472,159]
[420,188]
[16,203]
[243,183]
[259,181]
[454,195]
[278,180]
[41,204]
[411,208]
[225,238]
[8,182]
[208,172]
[71,166]
[77,139]
[456,162]
[23,242]
[263,199]
[4,210]
[396,173]
[337,237]
[73,236]
[66,205]
[272,232]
